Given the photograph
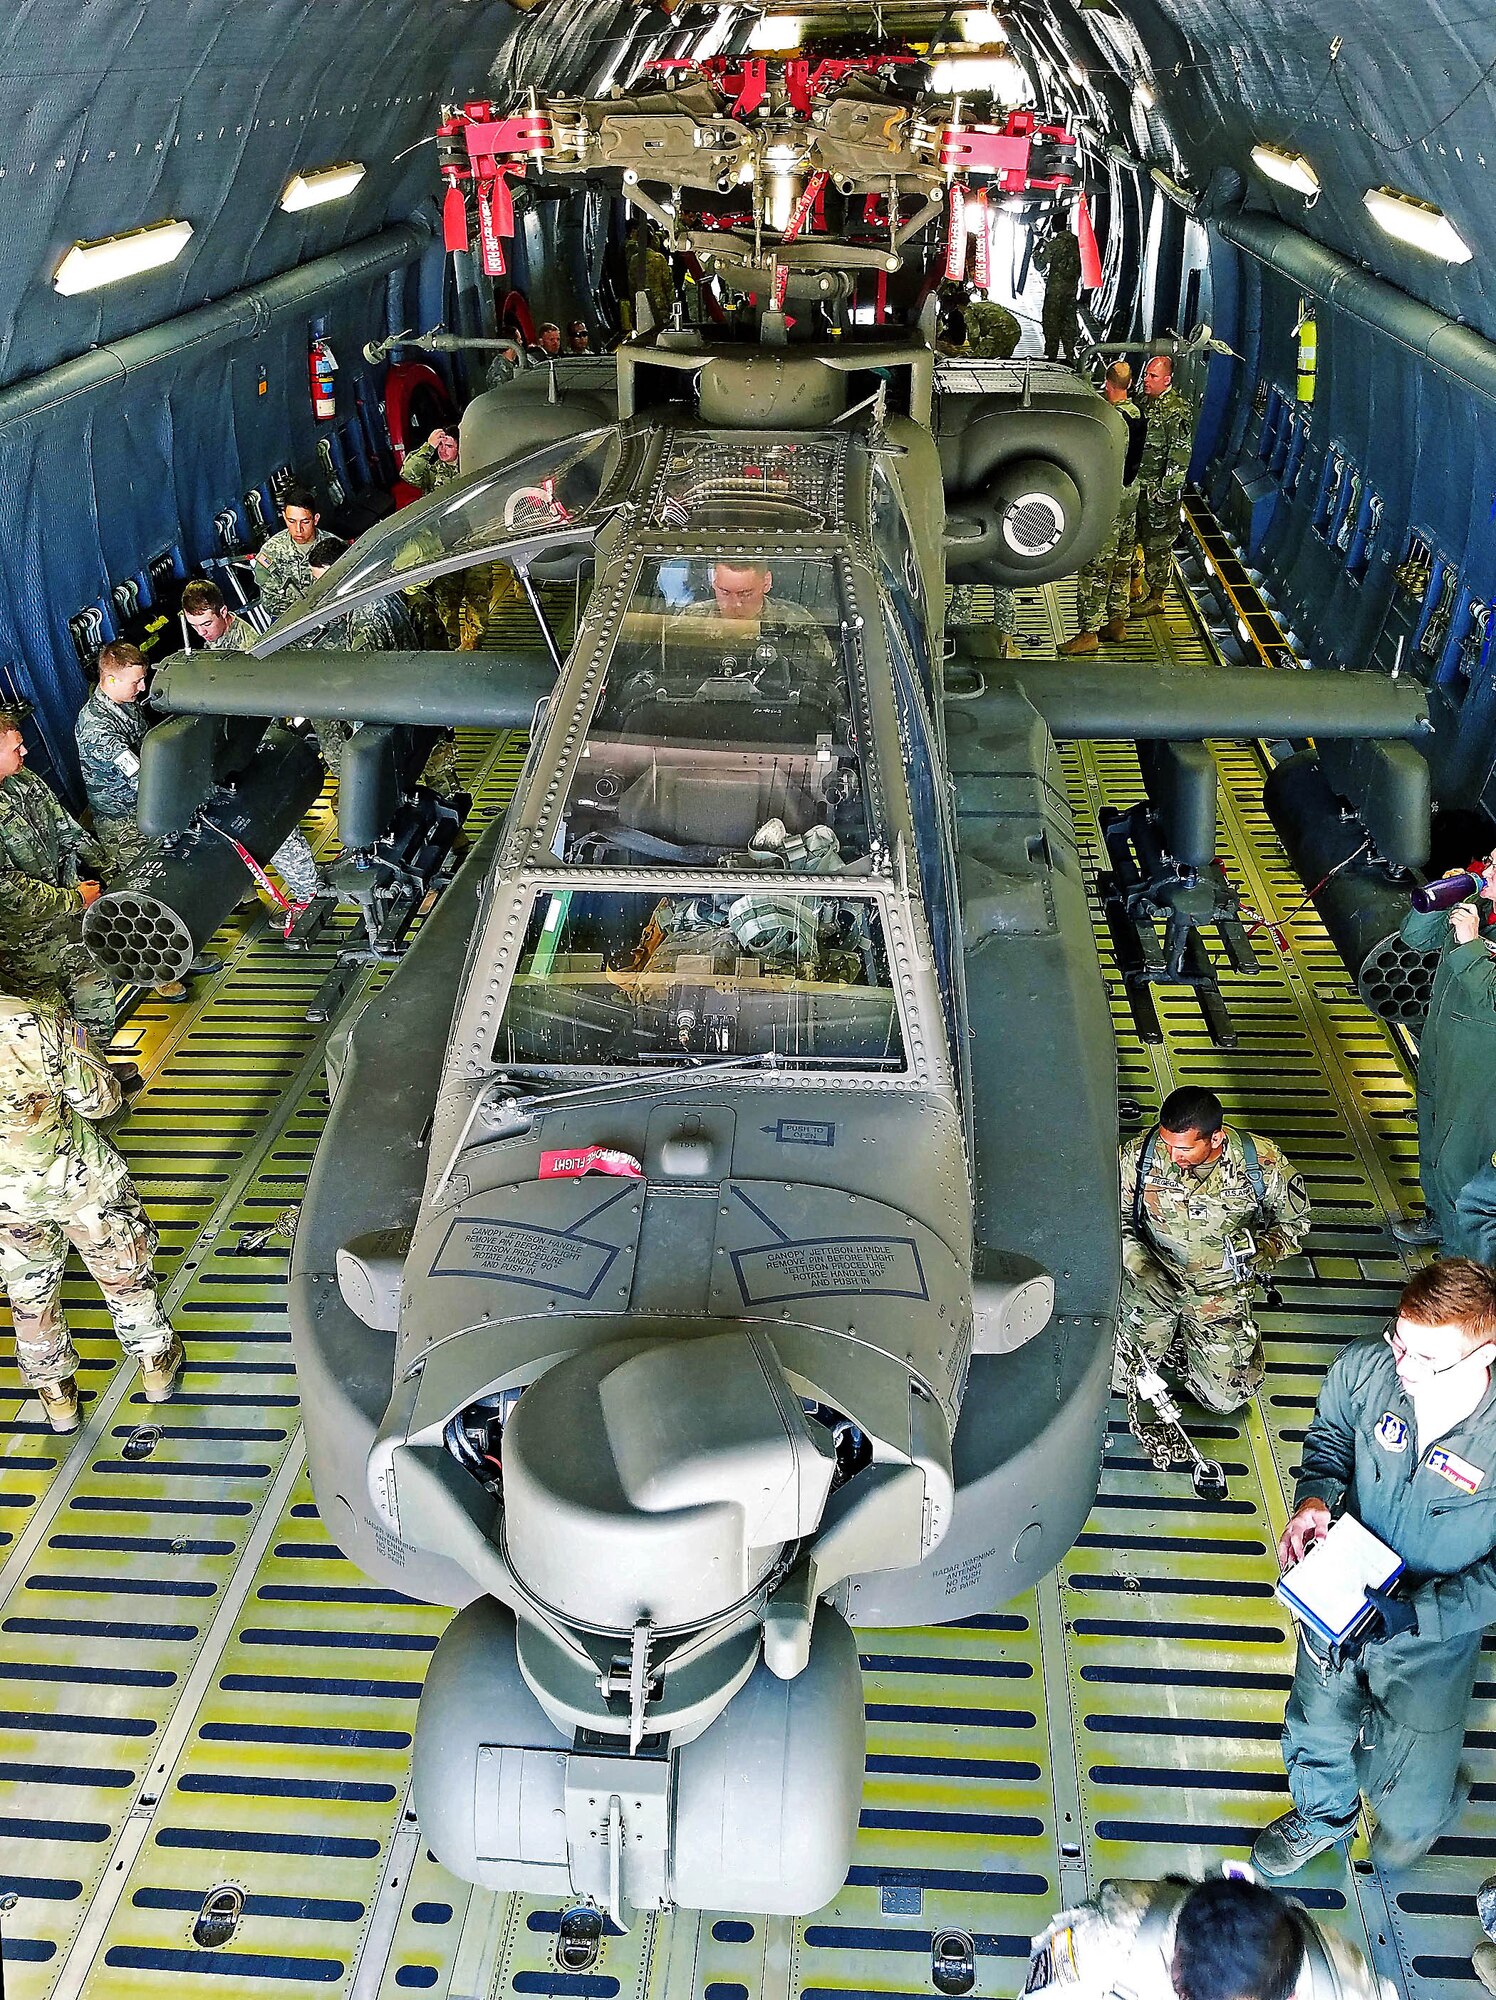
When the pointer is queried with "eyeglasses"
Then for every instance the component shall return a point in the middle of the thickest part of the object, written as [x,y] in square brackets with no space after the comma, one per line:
[1399,1346]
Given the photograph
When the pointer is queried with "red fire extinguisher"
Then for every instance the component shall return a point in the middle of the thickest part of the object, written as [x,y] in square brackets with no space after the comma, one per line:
[324,394]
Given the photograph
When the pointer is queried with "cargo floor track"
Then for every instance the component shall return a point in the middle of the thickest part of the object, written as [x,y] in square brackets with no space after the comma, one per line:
[196,1691]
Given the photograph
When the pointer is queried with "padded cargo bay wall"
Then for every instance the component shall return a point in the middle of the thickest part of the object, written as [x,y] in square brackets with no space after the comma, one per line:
[201,111]
[1408,399]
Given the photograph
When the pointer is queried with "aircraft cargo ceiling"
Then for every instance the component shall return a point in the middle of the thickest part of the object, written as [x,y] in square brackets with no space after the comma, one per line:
[204,112]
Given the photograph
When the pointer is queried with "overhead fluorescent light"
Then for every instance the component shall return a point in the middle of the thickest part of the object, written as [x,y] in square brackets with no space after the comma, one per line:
[1292,169]
[1417,222]
[1142,90]
[772,32]
[322,184]
[980,27]
[955,76]
[87,266]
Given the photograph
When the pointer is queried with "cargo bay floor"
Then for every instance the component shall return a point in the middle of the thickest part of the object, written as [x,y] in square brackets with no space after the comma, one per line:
[197,1692]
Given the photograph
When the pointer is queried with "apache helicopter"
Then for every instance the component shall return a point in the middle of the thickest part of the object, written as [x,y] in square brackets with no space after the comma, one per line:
[713,1245]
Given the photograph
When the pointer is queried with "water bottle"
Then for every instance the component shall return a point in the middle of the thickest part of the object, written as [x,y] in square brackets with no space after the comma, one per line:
[1447,891]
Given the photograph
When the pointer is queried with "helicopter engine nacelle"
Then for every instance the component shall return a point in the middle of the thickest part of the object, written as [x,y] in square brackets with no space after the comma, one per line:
[1032,479]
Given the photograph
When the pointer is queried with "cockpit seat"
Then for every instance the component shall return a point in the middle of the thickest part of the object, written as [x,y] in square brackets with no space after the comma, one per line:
[720,810]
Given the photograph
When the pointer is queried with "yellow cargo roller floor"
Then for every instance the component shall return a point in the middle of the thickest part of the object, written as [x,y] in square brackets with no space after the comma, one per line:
[206,1713]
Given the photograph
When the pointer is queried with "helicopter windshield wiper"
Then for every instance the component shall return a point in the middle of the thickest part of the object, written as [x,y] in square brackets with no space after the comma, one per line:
[700,1066]
[519,1074]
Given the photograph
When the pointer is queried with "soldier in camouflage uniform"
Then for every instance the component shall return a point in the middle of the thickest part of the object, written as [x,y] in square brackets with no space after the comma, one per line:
[506,363]
[1102,586]
[1224,1939]
[49,869]
[110,729]
[649,272]
[1166,456]
[992,332]
[465,598]
[962,609]
[281,566]
[205,610]
[61,1182]
[1205,1212]
[385,626]
[1059,259]
[742,592]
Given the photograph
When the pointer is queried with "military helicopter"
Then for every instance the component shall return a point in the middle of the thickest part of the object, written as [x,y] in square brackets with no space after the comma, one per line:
[713,1247]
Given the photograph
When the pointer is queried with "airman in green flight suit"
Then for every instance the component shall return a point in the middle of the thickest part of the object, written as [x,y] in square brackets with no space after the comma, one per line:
[1456,1063]
[1404,1439]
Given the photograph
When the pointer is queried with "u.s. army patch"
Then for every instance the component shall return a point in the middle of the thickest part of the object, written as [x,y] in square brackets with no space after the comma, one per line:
[1391,1432]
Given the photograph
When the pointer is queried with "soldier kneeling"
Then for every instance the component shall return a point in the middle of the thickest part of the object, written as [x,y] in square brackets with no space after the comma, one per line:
[1207,1210]
[62,1182]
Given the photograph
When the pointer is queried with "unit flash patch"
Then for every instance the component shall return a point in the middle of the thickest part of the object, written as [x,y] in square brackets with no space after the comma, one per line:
[1053,1964]
[1458,1471]
[1391,1432]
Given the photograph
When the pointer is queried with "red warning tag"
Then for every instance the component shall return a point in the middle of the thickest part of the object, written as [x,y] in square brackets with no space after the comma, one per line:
[803,207]
[589,1160]
[955,249]
[982,248]
[489,241]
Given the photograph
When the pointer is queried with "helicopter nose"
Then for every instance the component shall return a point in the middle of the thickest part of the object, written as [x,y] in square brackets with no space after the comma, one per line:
[659,1478]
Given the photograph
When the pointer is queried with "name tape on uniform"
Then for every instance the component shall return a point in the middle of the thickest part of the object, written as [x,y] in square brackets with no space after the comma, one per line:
[1458,1471]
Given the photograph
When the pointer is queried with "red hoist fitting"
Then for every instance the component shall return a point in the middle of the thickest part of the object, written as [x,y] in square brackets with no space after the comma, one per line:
[323,367]
[1021,154]
[745,79]
[478,150]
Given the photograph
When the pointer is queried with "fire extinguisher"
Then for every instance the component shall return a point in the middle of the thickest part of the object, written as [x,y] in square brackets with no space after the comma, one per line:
[1307,331]
[324,394]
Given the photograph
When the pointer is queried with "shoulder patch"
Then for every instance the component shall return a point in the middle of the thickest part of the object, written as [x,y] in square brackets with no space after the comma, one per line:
[1391,1432]
[1054,1963]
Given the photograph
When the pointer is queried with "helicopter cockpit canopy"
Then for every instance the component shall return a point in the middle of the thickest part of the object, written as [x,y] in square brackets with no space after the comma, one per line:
[799,975]
[739,482]
[725,732]
[514,513]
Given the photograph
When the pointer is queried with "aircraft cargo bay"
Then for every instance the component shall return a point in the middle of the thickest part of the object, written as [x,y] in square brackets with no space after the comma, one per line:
[234,1707]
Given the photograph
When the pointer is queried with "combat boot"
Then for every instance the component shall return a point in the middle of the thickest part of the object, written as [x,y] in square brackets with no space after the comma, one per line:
[1149,606]
[1289,1844]
[1083,642]
[1415,1230]
[159,1371]
[1114,631]
[60,1402]
[1483,1965]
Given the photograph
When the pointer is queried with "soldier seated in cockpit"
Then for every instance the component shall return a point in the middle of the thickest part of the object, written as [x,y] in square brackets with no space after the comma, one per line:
[742,594]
